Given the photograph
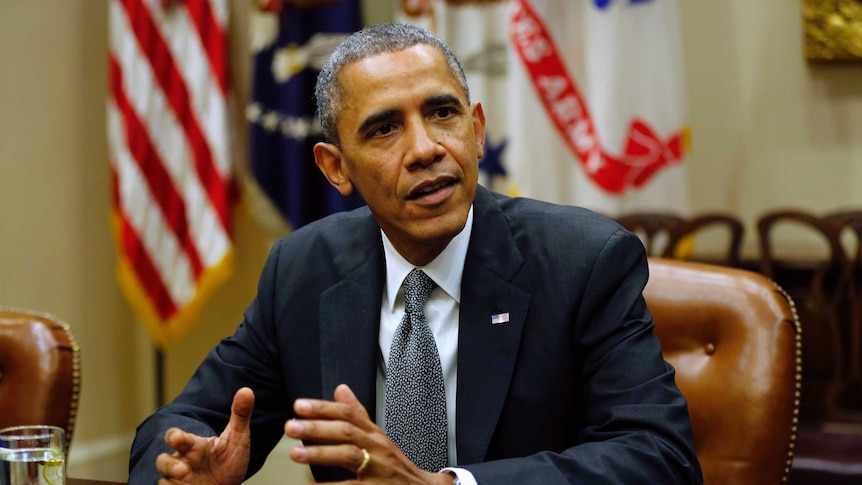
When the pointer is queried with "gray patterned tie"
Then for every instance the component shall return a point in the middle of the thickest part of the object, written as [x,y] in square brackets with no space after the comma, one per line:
[415,401]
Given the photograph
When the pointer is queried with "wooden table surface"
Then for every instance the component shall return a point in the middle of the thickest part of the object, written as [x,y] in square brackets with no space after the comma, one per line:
[87,481]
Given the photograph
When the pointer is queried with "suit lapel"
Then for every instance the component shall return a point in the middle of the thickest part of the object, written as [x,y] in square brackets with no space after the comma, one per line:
[487,352]
[349,324]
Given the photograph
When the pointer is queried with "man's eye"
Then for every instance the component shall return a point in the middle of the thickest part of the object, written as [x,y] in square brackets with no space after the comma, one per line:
[443,112]
[383,130]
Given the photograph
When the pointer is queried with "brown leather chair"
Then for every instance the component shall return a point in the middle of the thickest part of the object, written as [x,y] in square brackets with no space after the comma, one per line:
[40,371]
[734,339]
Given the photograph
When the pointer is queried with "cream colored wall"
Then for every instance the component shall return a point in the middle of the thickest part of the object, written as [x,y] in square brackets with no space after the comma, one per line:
[55,251]
[769,130]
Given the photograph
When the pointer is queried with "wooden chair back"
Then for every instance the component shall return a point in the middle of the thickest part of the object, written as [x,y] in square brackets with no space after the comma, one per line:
[652,227]
[819,285]
[688,230]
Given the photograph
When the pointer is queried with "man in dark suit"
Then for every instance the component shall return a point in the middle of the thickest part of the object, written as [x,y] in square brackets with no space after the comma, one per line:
[552,373]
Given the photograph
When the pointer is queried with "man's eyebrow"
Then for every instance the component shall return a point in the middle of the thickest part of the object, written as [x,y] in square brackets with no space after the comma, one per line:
[442,100]
[375,119]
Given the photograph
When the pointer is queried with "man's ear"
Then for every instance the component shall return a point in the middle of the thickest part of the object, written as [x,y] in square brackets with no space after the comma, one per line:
[479,127]
[329,160]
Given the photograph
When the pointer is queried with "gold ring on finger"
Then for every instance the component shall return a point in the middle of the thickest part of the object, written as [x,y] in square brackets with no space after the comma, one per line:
[366,459]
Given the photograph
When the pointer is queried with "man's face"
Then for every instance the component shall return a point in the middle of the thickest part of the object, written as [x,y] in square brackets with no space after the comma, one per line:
[410,145]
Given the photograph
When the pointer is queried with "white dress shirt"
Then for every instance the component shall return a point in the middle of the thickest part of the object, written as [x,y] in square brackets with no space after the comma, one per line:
[441,313]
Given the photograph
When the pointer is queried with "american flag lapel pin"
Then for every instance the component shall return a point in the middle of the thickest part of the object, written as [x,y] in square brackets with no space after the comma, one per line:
[498,318]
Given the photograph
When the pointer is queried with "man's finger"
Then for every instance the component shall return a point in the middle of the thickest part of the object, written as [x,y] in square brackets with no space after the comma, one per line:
[344,456]
[171,466]
[179,440]
[323,431]
[346,407]
[240,411]
[344,394]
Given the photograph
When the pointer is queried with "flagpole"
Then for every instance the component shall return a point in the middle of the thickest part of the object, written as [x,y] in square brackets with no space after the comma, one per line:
[160,377]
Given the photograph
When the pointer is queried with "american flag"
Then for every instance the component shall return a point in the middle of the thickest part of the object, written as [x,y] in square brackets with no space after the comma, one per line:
[498,318]
[172,176]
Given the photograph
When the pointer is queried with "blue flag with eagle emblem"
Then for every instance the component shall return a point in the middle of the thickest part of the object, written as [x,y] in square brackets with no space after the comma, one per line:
[290,46]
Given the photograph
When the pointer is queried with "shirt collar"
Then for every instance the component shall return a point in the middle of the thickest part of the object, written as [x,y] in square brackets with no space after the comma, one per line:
[446,269]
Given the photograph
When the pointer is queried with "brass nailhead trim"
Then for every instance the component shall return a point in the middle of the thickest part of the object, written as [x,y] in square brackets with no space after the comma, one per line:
[794,429]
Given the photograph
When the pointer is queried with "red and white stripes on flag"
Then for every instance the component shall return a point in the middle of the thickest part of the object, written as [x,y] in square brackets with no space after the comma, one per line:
[171,171]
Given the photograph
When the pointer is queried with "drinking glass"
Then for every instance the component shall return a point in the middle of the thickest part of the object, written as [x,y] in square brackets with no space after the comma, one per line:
[32,455]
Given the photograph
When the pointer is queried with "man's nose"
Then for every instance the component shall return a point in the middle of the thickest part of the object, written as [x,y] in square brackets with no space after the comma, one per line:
[425,147]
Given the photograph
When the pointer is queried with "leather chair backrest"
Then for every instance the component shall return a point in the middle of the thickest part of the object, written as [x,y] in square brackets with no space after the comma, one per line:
[40,371]
[733,337]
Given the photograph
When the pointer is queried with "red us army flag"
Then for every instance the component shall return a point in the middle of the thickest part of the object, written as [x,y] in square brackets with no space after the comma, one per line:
[598,104]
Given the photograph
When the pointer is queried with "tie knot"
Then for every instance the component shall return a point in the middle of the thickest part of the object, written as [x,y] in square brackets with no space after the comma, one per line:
[417,288]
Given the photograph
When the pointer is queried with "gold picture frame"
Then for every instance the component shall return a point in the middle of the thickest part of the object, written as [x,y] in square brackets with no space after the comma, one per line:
[833,30]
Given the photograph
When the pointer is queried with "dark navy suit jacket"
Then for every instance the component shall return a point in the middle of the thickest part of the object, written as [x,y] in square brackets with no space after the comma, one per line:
[572,389]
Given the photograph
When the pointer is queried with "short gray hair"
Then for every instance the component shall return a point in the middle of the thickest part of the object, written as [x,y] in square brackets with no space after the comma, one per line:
[371,41]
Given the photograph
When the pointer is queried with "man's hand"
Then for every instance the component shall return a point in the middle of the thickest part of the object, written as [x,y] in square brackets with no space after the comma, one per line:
[221,460]
[345,430]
